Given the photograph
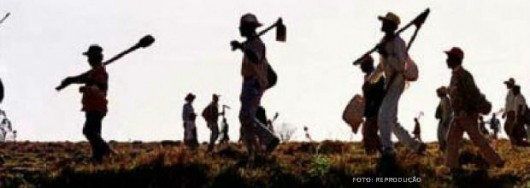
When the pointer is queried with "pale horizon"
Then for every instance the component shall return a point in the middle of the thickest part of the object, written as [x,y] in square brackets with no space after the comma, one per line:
[42,41]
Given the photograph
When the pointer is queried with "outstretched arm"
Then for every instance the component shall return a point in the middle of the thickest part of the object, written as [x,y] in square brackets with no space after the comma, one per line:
[249,52]
[79,79]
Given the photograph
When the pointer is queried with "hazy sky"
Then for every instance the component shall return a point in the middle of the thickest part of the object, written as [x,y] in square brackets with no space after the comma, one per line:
[42,41]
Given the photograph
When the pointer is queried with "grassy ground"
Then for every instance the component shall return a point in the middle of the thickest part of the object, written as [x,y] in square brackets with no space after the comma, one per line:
[323,164]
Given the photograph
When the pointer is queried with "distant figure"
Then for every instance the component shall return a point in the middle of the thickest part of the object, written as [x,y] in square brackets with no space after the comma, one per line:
[94,100]
[224,132]
[417,130]
[464,94]
[393,56]
[14,136]
[509,111]
[189,116]
[494,125]
[224,126]
[444,114]
[518,131]
[211,115]
[255,81]
[307,135]
[482,126]
[374,94]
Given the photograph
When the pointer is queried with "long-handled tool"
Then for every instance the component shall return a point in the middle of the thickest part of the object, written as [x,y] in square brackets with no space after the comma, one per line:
[281,31]
[144,42]
[1,84]
[1,91]
[4,18]
[418,22]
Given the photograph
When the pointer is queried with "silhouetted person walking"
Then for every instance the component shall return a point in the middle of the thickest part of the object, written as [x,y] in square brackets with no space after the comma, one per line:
[509,111]
[255,80]
[465,98]
[94,100]
[444,114]
[374,94]
[224,132]
[494,125]
[393,54]
[211,115]
[417,130]
[224,126]
[189,116]
[482,126]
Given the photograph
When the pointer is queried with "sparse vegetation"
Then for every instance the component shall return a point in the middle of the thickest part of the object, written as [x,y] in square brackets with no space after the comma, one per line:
[293,164]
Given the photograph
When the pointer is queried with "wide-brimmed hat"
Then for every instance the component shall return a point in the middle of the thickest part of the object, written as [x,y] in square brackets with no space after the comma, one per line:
[190,97]
[390,16]
[455,52]
[93,50]
[510,81]
[249,19]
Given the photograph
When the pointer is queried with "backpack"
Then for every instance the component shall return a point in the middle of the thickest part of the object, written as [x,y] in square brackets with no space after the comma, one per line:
[438,114]
[483,106]
[207,113]
[354,112]
[272,77]
[411,73]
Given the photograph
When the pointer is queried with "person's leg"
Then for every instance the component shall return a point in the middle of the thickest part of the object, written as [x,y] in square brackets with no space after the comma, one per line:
[187,133]
[387,117]
[508,127]
[90,132]
[405,138]
[249,106]
[215,134]
[370,137]
[195,141]
[520,133]
[469,124]
[99,145]
[454,136]
[441,134]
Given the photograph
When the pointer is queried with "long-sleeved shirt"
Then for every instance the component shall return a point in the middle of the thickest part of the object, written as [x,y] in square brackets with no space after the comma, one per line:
[394,63]
[188,112]
[463,92]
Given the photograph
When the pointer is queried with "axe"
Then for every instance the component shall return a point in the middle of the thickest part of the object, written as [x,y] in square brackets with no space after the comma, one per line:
[281,31]
[418,22]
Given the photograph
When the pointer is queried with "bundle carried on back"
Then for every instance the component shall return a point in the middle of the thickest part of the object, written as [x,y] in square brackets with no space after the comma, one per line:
[354,112]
